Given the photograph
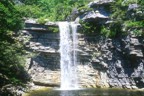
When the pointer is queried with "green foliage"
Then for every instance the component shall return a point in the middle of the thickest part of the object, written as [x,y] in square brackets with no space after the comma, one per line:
[88,27]
[138,32]
[141,2]
[134,24]
[11,49]
[116,27]
[122,19]
[118,11]
[127,2]
[83,9]
[53,29]
[29,10]
[29,2]
[54,10]
[112,30]
[9,17]
[42,20]
[107,32]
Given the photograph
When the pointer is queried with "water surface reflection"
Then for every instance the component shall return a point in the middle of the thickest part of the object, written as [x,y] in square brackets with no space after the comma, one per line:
[67,93]
[86,92]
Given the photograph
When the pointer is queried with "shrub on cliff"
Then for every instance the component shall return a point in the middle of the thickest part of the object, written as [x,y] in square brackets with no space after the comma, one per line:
[126,18]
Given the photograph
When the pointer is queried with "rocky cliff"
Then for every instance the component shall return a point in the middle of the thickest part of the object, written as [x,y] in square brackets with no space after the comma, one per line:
[102,62]
[112,62]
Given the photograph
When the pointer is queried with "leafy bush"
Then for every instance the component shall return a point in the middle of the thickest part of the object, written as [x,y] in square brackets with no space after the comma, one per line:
[123,21]
[29,11]
[11,49]
[107,32]
[84,9]
[127,2]
[138,32]
[136,24]
[42,20]
[89,27]
[53,29]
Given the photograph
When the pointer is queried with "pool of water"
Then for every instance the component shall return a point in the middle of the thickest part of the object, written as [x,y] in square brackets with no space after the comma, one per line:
[85,92]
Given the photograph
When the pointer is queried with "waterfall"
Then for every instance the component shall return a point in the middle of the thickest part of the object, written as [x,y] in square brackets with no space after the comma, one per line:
[68,54]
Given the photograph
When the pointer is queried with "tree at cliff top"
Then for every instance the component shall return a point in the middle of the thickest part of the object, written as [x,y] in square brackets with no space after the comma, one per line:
[11,49]
[53,10]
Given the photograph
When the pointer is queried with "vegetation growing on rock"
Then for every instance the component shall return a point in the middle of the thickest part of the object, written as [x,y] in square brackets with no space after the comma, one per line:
[126,16]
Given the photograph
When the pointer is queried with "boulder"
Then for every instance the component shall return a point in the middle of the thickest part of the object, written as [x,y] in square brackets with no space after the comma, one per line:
[100,2]
[99,14]
[132,6]
[92,15]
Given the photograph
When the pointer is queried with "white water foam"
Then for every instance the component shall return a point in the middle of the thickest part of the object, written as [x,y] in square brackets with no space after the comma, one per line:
[68,54]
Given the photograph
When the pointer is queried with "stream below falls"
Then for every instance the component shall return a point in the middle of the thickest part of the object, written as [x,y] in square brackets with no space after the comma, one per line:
[86,92]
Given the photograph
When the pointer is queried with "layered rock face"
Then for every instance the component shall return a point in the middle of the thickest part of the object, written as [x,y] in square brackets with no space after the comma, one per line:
[44,65]
[116,62]
[112,62]
[102,62]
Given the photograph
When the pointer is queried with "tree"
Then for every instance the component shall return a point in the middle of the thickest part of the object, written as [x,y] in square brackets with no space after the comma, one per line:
[11,49]
[53,10]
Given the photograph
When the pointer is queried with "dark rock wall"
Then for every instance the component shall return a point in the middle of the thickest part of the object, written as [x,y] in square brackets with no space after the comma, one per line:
[44,64]
[46,46]
[102,62]
[120,58]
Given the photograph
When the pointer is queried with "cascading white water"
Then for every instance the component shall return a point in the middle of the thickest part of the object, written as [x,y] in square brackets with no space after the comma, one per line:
[68,61]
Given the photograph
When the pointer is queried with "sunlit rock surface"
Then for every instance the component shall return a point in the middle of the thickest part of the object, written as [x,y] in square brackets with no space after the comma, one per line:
[101,62]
